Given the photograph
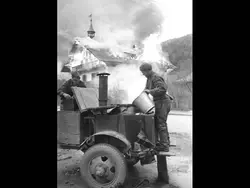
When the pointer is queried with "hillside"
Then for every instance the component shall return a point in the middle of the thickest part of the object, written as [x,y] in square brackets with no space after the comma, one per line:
[180,54]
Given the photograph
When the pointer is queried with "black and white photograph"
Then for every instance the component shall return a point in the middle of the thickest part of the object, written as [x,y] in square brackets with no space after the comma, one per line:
[124,93]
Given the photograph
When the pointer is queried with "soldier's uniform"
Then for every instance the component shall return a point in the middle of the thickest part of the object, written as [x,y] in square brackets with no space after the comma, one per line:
[66,88]
[158,89]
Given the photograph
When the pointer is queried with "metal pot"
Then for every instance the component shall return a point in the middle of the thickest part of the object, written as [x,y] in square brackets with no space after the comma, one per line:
[144,103]
[131,110]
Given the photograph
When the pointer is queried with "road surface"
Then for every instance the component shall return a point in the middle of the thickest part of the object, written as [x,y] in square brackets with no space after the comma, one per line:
[179,166]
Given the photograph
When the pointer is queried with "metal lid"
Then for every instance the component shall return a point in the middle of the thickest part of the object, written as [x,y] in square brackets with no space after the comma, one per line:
[86,98]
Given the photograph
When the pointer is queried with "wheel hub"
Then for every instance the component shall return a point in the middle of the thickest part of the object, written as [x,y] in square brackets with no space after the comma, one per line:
[102,169]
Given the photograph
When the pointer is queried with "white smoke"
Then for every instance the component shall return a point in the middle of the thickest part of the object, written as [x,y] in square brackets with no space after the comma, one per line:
[127,78]
[152,53]
[62,75]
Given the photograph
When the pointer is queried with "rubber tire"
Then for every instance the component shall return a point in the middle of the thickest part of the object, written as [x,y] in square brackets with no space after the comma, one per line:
[112,152]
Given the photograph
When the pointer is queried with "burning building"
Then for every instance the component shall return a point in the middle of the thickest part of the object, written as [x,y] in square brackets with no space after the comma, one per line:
[89,57]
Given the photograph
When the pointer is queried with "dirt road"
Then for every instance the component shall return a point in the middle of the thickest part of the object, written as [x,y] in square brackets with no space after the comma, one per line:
[179,166]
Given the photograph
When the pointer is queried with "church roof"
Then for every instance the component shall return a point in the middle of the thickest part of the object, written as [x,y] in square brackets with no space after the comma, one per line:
[91,27]
[101,52]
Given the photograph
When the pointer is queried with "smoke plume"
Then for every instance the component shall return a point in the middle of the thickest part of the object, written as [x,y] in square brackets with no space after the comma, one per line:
[147,21]
[120,22]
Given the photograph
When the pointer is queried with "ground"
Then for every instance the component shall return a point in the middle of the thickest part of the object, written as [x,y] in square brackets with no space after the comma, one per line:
[179,166]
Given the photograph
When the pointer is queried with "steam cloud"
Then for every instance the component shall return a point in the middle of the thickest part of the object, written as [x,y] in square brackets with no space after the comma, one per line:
[129,79]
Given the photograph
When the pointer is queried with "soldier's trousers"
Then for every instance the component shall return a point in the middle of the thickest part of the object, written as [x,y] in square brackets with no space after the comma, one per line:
[74,102]
[162,109]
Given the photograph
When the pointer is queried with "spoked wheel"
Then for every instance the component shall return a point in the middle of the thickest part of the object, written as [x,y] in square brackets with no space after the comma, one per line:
[103,166]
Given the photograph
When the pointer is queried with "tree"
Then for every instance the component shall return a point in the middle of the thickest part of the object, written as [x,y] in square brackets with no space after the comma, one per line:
[180,55]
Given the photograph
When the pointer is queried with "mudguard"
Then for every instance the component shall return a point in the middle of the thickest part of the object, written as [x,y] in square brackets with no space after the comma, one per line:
[113,134]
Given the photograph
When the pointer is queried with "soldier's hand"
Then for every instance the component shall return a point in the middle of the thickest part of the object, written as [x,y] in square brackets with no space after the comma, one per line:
[146,91]
[67,96]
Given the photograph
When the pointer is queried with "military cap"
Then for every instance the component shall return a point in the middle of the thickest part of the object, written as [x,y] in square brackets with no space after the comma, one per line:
[146,67]
[75,75]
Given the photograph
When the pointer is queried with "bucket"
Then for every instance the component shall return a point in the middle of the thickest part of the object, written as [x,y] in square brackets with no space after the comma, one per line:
[144,103]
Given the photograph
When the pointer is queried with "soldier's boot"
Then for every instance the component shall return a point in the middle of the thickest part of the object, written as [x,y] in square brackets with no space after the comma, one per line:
[163,145]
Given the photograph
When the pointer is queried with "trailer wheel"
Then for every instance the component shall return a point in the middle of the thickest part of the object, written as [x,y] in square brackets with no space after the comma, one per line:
[103,165]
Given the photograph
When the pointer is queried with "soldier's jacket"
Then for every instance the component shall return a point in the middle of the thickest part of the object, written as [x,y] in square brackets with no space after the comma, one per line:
[66,87]
[157,86]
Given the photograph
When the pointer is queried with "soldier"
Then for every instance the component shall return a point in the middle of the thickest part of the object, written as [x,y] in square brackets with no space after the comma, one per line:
[157,87]
[65,91]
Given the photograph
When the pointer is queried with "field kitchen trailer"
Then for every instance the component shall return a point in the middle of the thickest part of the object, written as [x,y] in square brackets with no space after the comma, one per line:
[112,137]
